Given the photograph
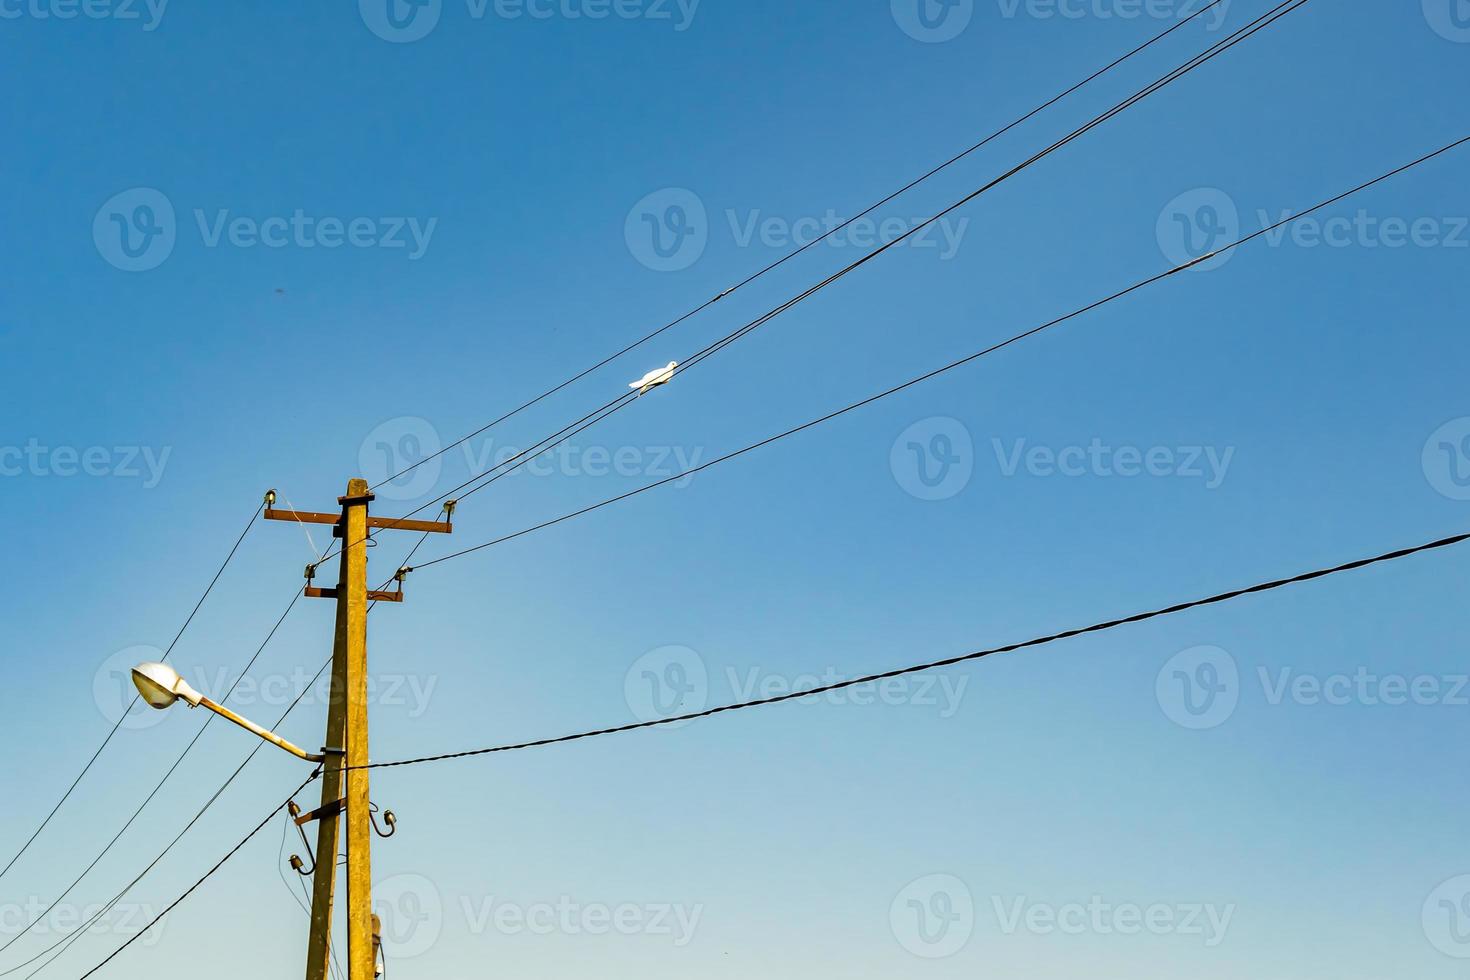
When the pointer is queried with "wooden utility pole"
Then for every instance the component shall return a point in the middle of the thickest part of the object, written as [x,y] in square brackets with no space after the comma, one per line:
[344,780]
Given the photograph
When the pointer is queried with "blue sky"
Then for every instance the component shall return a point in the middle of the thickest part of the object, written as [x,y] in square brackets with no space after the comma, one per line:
[356,232]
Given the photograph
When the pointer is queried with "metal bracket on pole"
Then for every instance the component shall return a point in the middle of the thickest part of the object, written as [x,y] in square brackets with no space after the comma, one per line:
[330,810]
[298,865]
[388,818]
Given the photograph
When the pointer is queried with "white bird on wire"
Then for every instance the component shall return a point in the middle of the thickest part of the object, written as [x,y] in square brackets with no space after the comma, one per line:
[654,378]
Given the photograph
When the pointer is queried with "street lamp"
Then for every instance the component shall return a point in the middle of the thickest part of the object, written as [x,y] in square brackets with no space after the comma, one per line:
[160,685]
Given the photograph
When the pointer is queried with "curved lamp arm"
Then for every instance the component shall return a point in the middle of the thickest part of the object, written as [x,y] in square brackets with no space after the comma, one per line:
[160,685]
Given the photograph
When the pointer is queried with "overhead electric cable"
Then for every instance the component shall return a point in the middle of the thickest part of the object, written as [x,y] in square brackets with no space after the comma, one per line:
[953,364]
[948,662]
[118,724]
[816,241]
[61,945]
[813,692]
[627,398]
[41,917]
[525,456]
[207,875]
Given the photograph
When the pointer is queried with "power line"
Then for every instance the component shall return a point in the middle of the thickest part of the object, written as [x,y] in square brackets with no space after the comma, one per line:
[141,807]
[816,241]
[207,875]
[627,398]
[951,661]
[841,685]
[950,366]
[76,934]
[118,724]
[65,941]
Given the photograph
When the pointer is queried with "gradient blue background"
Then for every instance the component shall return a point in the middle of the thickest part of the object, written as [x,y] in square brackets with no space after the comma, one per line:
[1060,777]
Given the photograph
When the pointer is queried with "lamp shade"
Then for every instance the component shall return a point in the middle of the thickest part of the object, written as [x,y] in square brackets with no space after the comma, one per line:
[160,685]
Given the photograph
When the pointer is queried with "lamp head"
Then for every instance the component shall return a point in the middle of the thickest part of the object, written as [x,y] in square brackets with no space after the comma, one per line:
[160,685]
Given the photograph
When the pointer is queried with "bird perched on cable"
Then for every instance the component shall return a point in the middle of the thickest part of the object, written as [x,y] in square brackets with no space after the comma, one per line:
[654,378]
